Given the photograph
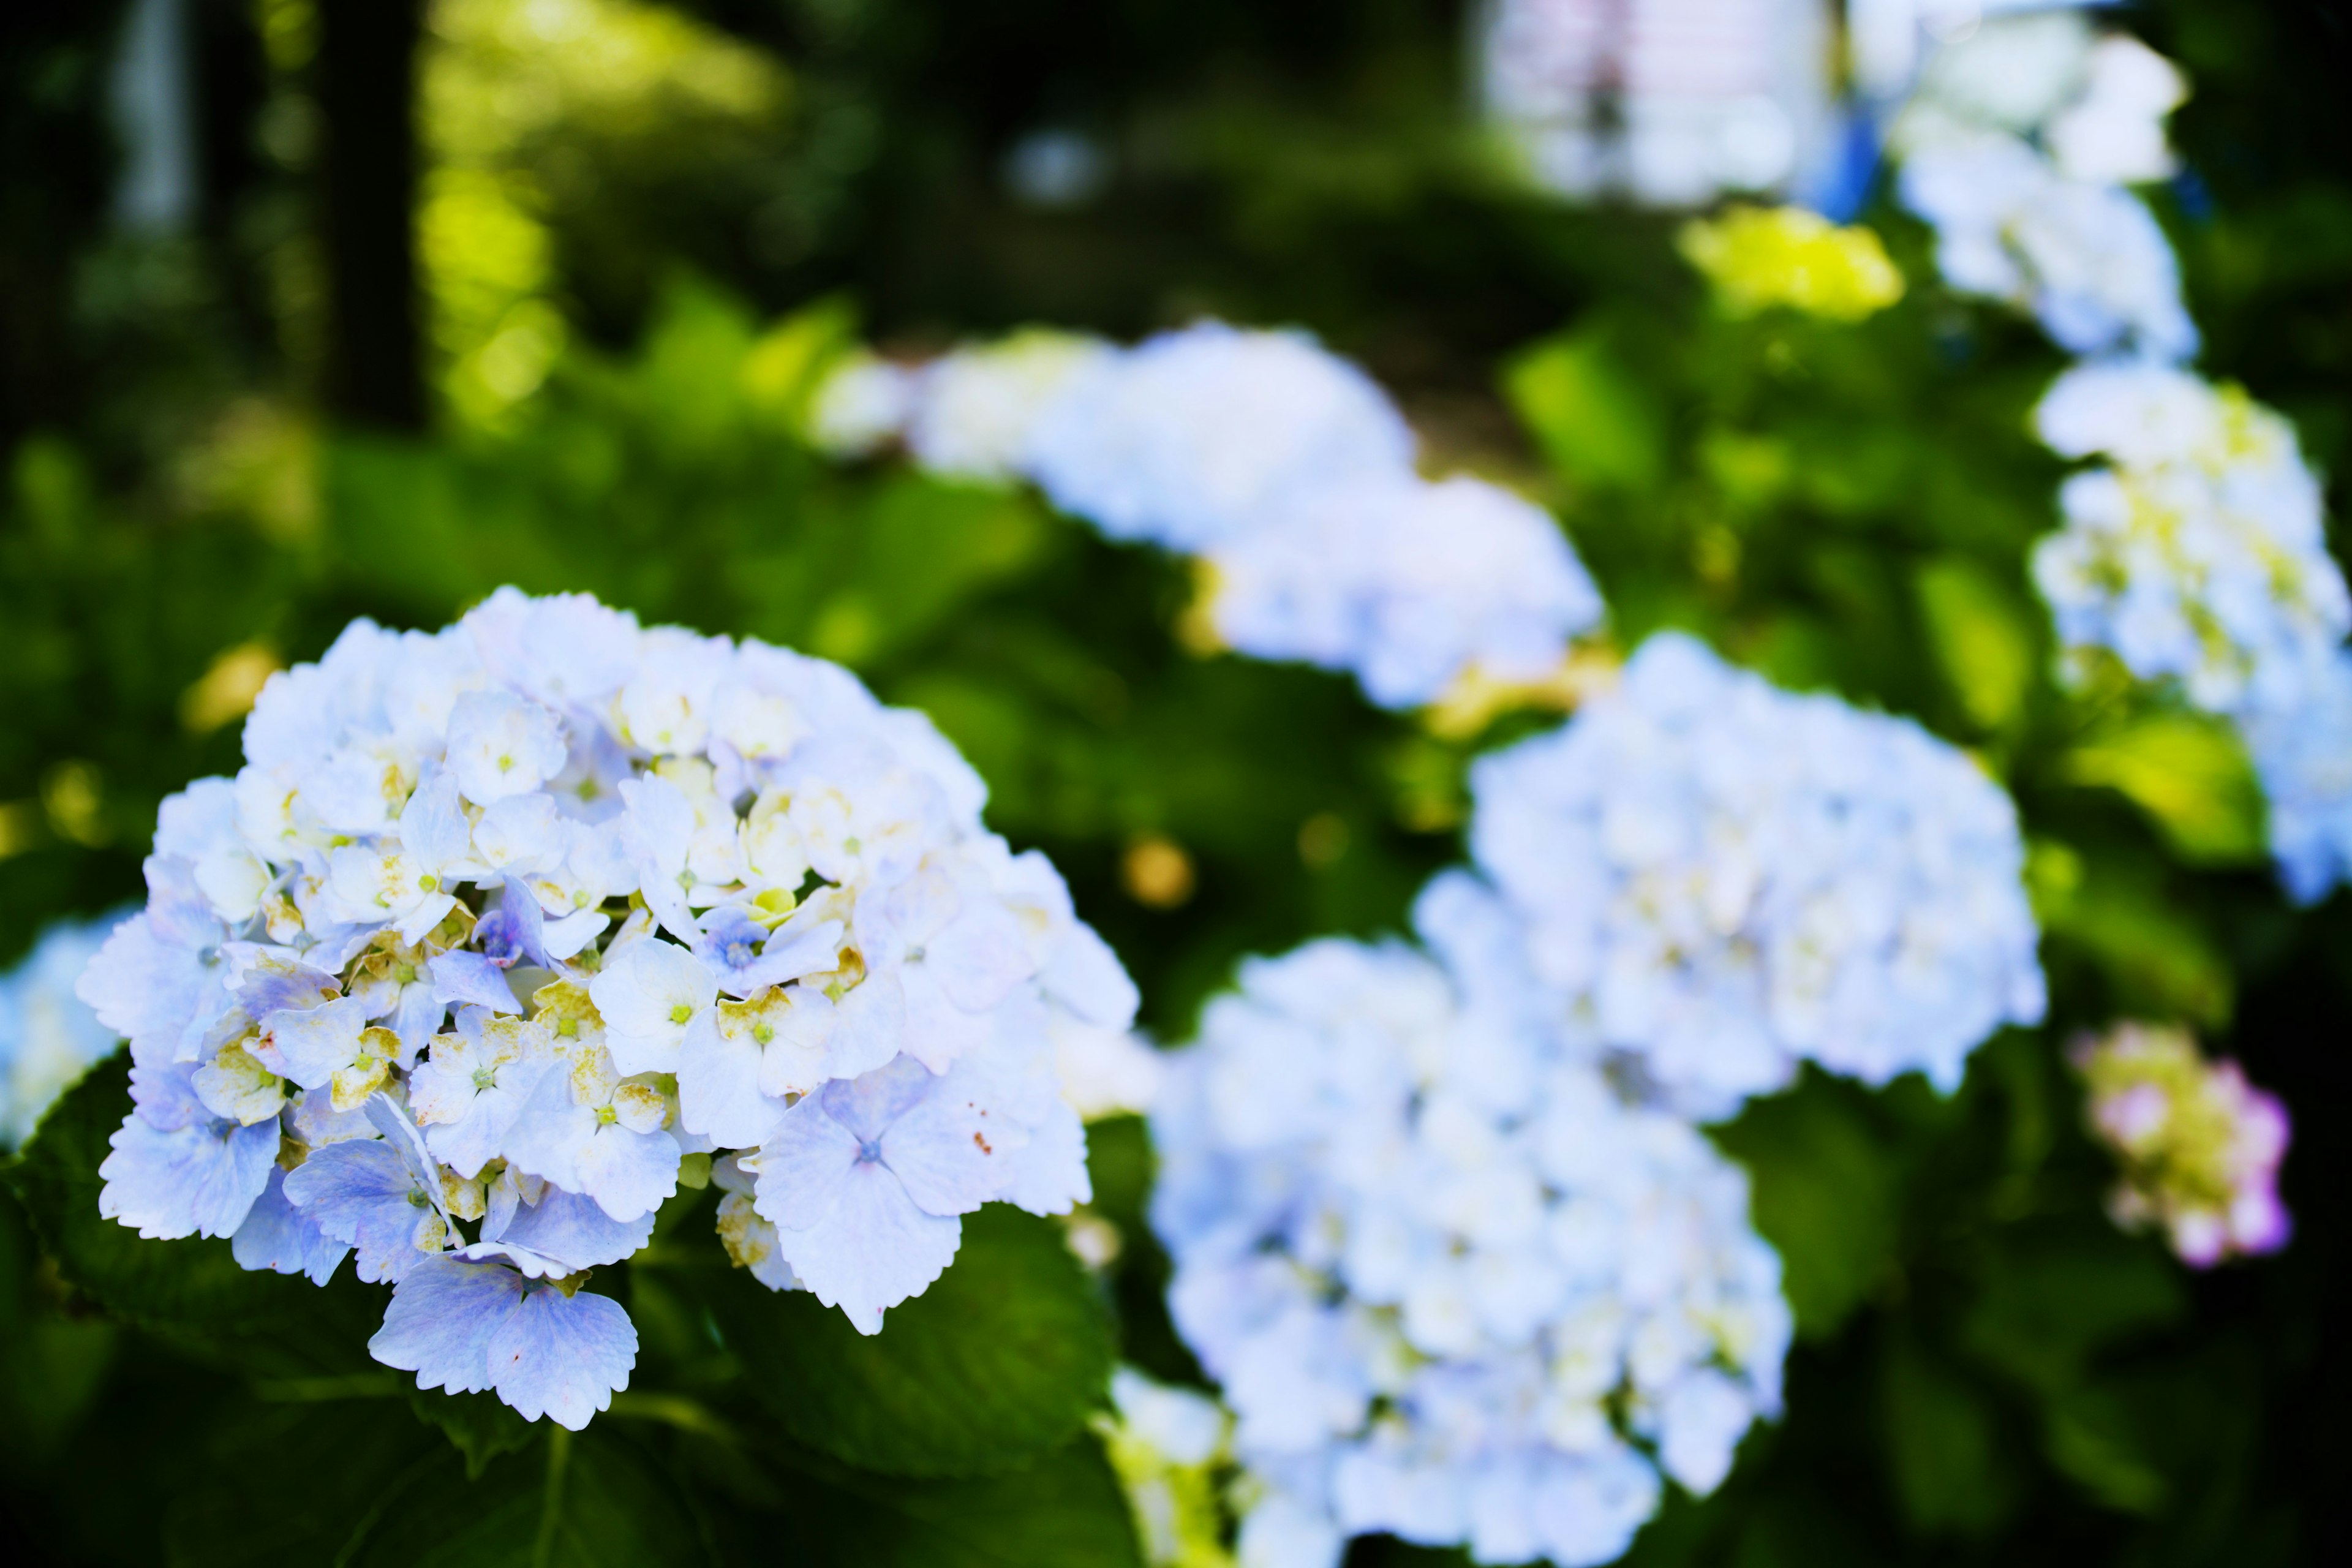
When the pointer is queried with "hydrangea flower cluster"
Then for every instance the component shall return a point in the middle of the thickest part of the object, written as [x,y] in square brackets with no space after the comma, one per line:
[1165,1445]
[2303,754]
[2017,148]
[1454,1287]
[2198,552]
[1760,257]
[1283,467]
[2199,1145]
[48,1037]
[503,934]
[1717,878]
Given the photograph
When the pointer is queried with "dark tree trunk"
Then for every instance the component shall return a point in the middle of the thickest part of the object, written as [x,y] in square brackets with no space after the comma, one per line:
[367,81]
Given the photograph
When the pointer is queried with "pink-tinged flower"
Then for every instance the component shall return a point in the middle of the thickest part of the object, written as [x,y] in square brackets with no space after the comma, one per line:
[2200,1146]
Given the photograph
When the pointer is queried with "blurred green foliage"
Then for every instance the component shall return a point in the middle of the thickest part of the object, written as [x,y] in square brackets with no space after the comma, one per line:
[668,246]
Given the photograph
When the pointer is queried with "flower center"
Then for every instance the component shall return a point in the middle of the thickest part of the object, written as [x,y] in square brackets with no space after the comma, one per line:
[869,1151]
[680,1013]
[484,1078]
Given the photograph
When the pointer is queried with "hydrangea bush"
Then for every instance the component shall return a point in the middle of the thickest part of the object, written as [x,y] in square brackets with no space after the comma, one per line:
[1454,1288]
[504,933]
[1718,879]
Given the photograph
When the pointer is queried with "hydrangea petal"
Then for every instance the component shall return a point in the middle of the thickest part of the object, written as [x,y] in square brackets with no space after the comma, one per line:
[278,1236]
[562,1356]
[871,1249]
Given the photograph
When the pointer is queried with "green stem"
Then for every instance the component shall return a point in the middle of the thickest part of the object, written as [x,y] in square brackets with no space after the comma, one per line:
[558,1457]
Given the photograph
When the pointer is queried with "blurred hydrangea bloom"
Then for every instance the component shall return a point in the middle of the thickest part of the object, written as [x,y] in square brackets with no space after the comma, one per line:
[2088,259]
[1165,1445]
[2200,1146]
[1283,467]
[1454,1288]
[975,412]
[48,1037]
[1758,258]
[2302,753]
[2098,102]
[1192,437]
[499,928]
[861,406]
[2197,553]
[1412,585]
[2016,147]
[1717,878]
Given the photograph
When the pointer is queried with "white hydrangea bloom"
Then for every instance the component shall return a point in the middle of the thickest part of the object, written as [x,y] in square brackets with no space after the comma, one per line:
[2115,131]
[862,407]
[2016,145]
[1409,583]
[48,1037]
[1191,437]
[974,412]
[1717,878]
[2199,552]
[2087,258]
[498,927]
[1454,1287]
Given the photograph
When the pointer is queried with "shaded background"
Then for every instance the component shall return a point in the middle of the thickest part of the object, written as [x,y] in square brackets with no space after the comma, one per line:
[416,299]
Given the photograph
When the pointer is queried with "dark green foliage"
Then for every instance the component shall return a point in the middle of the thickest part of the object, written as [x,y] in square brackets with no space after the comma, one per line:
[1000,1359]
[191,1290]
[1986,1372]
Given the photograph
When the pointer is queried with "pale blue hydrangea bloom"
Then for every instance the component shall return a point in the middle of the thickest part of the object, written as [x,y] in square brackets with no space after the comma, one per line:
[390,997]
[2196,557]
[2016,147]
[2304,755]
[975,413]
[48,1037]
[2088,259]
[1407,583]
[1191,438]
[1289,474]
[1453,1285]
[1717,878]
[2197,553]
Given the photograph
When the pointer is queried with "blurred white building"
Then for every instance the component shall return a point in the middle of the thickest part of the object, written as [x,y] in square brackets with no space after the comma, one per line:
[1670,103]
[1675,102]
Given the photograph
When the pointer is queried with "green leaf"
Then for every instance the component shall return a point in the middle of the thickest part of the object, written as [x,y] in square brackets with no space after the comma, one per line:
[52,1366]
[2093,1439]
[1002,1359]
[359,1484]
[2156,956]
[1824,1190]
[1064,1510]
[481,1426]
[1982,637]
[1597,422]
[2191,776]
[2054,1294]
[1944,1446]
[787,363]
[190,1291]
